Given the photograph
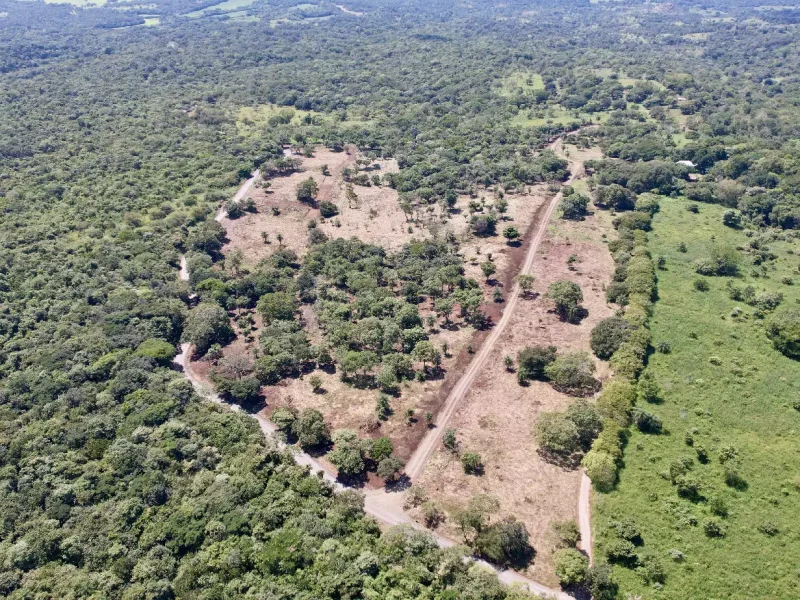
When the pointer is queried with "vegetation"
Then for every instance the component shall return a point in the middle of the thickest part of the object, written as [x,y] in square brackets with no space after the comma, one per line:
[120,142]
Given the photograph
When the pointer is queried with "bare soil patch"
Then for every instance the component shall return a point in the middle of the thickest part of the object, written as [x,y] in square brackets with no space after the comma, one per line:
[497,417]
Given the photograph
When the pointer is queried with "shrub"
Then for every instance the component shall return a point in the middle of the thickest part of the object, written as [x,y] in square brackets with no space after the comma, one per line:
[714,528]
[783,329]
[472,463]
[432,515]
[389,468]
[348,453]
[277,306]
[723,260]
[601,469]
[284,418]
[609,440]
[571,566]
[328,209]
[646,422]
[449,440]
[556,434]
[207,324]
[532,361]
[617,292]
[608,335]
[381,448]
[701,285]
[648,389]
[568,533]
[573,373]
[615,196]
[307,191]
[567,296]
[731,218]
[587,420]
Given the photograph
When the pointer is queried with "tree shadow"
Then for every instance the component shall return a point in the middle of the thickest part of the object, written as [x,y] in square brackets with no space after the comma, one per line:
[567,462]
[399,485]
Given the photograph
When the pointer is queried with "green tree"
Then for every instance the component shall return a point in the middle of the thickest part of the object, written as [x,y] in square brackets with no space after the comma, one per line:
[573,206]
[556,435]
[307,191]
[532,361]
[160,351]
[276,306]
[608,335]
[348,453]
[207,324]
[601,469]
[488,269]
[573,373]
[511,234]
[310,429]
[567,296]
[571,566]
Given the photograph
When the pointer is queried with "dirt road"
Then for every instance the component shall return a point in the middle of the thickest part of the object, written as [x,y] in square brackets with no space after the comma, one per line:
[240,194]
[417,462]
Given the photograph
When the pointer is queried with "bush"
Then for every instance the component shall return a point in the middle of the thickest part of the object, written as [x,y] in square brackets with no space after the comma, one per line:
[714,528]
[615,196]
[472,463]
[601,469]
[701,285]
[609,440]
[608,335]
[571,566]
[587,420]
[646,422]
[723,260]
[328,209]
[284,418]
[207,324]
[616,401]
[568,533]
[573,373]
[348,453]
[783,329]
[532,361]
[617,292]
[556,434]
[731,218]
[567,296]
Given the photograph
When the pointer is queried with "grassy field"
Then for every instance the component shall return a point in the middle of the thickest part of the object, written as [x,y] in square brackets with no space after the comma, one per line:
[723,382]
[521,80]
[225,6]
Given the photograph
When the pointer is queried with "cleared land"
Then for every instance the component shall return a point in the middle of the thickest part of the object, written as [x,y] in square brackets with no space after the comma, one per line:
[725,384]
[376,218]
[496,419]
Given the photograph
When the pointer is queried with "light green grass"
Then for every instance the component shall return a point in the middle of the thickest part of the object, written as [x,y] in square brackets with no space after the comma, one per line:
[250,120]
[225,7]
[746,400]
[553,114]
[79,3]
[521,81]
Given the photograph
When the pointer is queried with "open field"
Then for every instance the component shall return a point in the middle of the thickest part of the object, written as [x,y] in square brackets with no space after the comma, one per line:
[725,384]
[497,417]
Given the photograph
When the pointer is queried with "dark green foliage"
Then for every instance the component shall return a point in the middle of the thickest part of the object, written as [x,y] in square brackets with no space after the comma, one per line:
[207,324]
[567,296]
[573,206]
[571,566]
[573,373]
[608,335]
[310,429]
[783,329]
[505,543]
[532,360]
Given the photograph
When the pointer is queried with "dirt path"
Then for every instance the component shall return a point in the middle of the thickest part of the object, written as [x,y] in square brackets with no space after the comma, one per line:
[416,465]
[240,194]
[585,516]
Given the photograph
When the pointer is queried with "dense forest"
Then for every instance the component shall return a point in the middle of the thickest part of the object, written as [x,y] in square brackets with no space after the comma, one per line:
[120,137]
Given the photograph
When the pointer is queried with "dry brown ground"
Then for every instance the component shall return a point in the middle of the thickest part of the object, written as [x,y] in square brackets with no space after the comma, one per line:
[497,417]
[378,219]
